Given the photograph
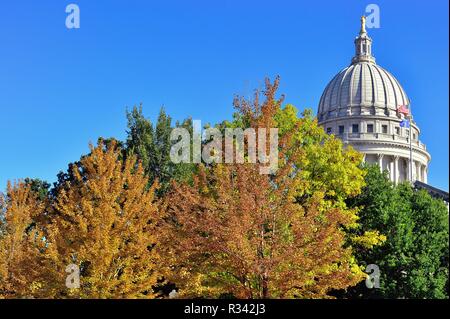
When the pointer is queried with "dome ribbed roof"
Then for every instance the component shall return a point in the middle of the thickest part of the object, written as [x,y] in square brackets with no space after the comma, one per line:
[362,84]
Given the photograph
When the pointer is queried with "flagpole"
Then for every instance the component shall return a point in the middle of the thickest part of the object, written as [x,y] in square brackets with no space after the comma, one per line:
[407,115]
[410,146]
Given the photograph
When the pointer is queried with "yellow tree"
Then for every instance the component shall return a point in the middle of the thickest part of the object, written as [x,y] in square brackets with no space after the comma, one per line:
[102,222]
[23,264]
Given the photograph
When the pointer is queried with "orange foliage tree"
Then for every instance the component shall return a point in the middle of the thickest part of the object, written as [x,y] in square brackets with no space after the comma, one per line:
[235,232]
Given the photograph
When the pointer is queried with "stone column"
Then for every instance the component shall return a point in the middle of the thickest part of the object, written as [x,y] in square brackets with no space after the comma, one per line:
[380,162]
[408,167]
[396,170]
[418,178]
[425,173]
[408,170]
[391,169]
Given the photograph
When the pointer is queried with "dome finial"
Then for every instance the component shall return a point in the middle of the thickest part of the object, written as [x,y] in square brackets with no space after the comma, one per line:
[363,45]
[363,25]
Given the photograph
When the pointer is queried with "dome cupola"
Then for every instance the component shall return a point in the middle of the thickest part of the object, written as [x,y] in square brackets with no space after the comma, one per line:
[363,45]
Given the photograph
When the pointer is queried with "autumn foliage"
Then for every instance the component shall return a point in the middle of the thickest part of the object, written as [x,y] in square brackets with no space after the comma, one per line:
[99,218]
[103,221]
[209,231]
[21,243]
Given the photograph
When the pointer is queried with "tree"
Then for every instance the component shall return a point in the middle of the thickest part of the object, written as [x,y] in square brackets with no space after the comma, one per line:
[413,261]
[321,164]
[38,186]
[152,147]
[102,220]
[325,165]
[140,138]
[239,233]
[22,245]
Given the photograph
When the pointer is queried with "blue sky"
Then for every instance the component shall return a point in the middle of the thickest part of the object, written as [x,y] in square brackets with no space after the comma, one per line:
[61,88]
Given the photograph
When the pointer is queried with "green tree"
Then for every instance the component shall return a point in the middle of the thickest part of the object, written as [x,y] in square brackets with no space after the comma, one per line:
[140,137]
[413,261]
[38,186]
[151,145]
[327,165]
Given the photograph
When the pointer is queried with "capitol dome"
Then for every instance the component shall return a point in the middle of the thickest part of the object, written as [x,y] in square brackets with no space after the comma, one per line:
[360,106]
[364,87]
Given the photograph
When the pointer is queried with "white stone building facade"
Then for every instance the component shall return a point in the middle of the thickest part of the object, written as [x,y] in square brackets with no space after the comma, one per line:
[360,105]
